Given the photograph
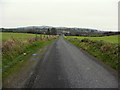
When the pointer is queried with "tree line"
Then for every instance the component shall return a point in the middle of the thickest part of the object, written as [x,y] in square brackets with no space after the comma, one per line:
[55,31]
[49,31]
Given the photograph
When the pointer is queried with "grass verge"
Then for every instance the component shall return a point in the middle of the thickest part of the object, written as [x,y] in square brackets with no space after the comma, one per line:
[107,52]
[15,52]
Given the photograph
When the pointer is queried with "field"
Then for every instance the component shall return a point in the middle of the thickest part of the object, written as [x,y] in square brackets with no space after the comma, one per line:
[19,36]
[110,39]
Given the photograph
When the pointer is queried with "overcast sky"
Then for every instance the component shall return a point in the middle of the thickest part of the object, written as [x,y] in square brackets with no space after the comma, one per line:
[97,14]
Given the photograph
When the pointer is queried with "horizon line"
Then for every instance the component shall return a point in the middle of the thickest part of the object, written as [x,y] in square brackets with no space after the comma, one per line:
[61,26]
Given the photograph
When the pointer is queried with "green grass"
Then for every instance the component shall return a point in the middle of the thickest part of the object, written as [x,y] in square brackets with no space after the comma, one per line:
[110,39]
[11,61]
[14,47]
[105,50]
[0,37]
[19,36]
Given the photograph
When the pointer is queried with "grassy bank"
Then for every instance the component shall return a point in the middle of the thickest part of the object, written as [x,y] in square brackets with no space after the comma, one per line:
[105,51]
[16,51]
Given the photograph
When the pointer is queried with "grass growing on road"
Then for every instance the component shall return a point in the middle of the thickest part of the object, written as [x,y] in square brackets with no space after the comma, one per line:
[15,51]
[103,50]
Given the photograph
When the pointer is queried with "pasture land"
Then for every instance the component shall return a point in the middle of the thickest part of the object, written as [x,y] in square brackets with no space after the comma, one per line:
[110,39]
[18,36]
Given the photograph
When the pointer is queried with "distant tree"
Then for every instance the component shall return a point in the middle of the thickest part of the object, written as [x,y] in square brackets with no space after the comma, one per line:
[48,32]
[53,31]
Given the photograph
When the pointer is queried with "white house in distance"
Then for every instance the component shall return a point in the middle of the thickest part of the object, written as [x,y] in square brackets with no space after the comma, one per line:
[66,32]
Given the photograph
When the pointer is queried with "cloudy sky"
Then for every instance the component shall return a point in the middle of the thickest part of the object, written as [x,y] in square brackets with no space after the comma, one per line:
[97,14]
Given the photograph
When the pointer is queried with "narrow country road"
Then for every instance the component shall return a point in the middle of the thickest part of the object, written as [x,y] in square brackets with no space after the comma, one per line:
[66,66]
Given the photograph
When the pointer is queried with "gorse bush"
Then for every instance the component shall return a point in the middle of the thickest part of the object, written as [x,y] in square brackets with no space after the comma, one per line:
[105,51]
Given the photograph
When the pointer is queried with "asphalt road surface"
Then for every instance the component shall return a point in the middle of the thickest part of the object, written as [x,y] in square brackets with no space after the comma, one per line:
[66,66]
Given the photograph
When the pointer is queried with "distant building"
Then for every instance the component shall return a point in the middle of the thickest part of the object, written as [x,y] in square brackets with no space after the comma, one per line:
[65,32]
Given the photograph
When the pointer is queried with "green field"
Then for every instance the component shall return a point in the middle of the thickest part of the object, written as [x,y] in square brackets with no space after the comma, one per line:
[22,36]
[111,39]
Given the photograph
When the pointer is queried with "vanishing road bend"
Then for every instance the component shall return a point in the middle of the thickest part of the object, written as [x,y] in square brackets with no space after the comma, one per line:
[66,66]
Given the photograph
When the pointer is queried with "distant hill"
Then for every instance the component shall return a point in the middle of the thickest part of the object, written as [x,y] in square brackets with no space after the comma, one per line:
[60,30]
[49,27]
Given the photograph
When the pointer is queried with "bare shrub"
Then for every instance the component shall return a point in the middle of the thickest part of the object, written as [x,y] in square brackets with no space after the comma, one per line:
[9,44]
[85,40]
